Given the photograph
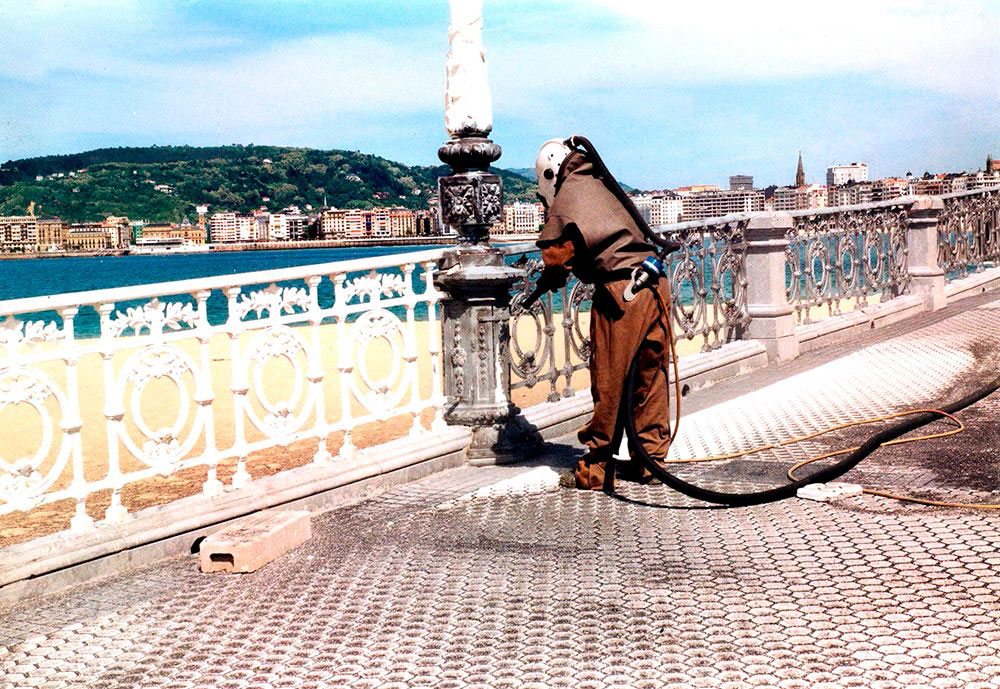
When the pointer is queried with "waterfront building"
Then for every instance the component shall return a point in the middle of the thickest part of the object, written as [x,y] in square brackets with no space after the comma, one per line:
[424,223]
[222,227]
[373,223]
[90,236]
[290,224]
[18,234]
[51,234]
[119,231]
[931,185]
[890,188]
[522,218]
[837,175]
[715,202]
[741,182]
[185,233]
[202,212]
[232,227]
[137,226]
[331,223]
[799,198]
[659,208]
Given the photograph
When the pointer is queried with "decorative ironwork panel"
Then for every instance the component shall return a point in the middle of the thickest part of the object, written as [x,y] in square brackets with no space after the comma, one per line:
[201,372]
[835,256]
[969,232]
[707,281]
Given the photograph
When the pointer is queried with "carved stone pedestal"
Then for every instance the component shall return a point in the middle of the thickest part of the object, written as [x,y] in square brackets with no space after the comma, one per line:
[477,369]
[476,310]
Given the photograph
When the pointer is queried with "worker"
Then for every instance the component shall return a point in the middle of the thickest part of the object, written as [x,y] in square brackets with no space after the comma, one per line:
[589,231]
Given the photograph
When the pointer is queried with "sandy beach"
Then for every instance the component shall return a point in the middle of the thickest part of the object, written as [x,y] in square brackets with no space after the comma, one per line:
[21,426]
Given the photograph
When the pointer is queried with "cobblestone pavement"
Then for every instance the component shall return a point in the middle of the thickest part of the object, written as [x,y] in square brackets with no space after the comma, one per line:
[445,583]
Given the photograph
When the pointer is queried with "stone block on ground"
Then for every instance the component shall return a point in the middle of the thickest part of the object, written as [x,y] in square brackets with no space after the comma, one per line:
[253,541]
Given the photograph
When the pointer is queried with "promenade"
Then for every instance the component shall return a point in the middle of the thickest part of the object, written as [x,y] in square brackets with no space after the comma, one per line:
[495,577]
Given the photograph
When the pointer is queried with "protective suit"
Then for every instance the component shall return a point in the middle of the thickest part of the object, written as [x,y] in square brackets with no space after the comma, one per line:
[589,232]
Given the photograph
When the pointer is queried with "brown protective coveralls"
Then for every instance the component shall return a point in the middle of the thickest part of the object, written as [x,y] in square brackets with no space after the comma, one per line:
[589,232]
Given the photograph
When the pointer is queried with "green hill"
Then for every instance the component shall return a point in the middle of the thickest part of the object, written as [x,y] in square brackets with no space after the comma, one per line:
[123,181]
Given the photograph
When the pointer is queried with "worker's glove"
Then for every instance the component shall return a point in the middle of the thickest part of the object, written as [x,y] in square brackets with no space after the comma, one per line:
[553,277]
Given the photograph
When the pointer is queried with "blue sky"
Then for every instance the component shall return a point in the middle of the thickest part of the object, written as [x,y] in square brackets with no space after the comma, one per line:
[670,93]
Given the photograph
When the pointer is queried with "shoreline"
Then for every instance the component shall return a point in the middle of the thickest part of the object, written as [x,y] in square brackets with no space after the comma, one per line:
[443,240]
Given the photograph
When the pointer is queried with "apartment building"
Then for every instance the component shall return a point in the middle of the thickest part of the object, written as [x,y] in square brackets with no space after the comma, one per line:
[18,234]
[119,231]
[233,227]
[741,182]
[185,232]
[837,175]
[799,198]
[372,223]
[51,234]
[522,218]
[661,208]
[290,224]
[711,203]
[88,236]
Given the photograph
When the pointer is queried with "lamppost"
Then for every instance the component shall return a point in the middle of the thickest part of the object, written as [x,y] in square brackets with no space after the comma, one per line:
[473,276]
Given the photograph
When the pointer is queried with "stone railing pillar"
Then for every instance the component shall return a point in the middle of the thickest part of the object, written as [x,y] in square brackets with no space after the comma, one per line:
[772,319]
[473,276]
[927,278]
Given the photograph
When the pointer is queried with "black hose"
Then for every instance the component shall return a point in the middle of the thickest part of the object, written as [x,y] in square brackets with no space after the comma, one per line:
[786,491]
[667,245]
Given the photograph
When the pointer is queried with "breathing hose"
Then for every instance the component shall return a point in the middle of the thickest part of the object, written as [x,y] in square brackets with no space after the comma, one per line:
[830,473]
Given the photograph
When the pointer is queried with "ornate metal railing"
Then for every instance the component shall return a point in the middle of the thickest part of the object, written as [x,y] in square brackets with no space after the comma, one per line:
[969,232]
[846,253]
[313,353]
[708,280]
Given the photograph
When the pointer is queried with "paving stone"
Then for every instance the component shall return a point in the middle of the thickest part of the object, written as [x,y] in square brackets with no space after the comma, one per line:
[448,582]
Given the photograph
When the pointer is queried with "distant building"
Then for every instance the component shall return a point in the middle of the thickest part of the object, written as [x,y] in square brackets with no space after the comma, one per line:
[51,234]
[931,185]
[800,173]
[992,165]
[799,198]
[837,175]
[523,218]
[715,202]
[372,223]
[223,227]
[741,182]
[890,188]
[185,233]
[119,231]
[18,234]
[660,208]
[89,236]
[424,223]
[288,225]
[202,212]
[694,188]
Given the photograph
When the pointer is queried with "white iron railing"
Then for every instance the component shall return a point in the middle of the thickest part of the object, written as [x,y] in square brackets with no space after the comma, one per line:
[314,351]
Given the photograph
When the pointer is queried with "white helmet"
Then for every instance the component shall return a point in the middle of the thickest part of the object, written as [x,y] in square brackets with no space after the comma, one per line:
[550,158]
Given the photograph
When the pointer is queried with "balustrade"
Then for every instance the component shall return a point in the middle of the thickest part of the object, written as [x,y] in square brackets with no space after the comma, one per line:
[969,232]
[203,372]
[103,390]
[852,254]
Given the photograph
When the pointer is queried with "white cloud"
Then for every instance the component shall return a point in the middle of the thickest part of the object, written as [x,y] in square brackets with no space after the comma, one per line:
[939,45]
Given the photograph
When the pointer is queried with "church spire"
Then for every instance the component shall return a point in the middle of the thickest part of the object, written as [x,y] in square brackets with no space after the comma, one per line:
[800,173]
